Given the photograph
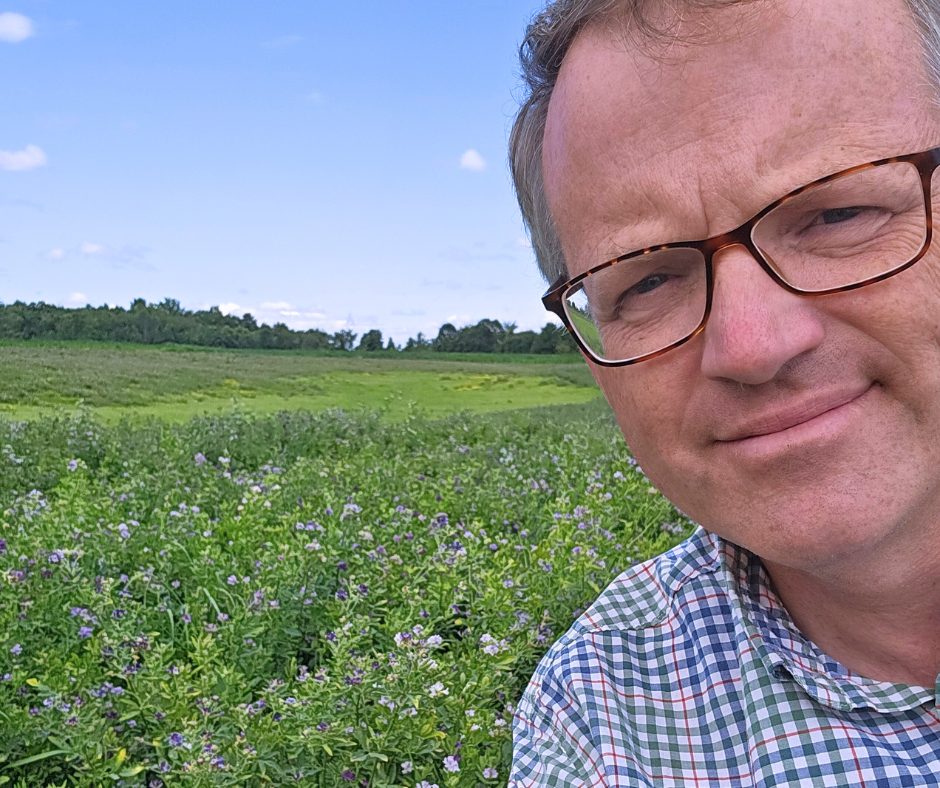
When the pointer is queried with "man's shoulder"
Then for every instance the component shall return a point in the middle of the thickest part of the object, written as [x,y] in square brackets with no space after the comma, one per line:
[677,582]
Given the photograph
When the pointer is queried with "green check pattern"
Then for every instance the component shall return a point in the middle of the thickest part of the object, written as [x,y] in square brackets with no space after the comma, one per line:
[688,671]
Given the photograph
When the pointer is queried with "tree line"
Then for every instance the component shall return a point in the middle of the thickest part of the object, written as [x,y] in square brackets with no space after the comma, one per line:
[167,322]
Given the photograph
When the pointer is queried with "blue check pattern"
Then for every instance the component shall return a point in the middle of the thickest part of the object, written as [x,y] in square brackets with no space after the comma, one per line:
[688,671]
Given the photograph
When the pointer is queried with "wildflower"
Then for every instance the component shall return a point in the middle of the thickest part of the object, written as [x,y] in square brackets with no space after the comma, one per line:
[490,773]
[434,641]
[73,465]
[349,776]
[200,458]
[426,784]
[407,767]
[16,650]
[232,580]
[451,764]
[85,632]
[176,740]
[438,689]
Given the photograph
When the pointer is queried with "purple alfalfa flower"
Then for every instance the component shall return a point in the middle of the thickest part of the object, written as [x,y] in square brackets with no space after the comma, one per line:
[200,458]
[218,762]
[16,650]
[341,595]
[452,763]
[489,773]
[85,632]
[186,618]
[232,580]
[342,566]
[331,637]
[176,740]
[363,589]
[349,776]
[118,613]
[72,465]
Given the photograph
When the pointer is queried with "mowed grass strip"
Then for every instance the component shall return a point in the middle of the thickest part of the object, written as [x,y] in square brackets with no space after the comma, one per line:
[178,383]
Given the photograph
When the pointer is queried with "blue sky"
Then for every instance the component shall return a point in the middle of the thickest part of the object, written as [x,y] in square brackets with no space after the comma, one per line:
[328,165]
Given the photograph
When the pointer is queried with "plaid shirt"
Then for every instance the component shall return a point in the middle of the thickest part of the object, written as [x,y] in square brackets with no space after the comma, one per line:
[688,671]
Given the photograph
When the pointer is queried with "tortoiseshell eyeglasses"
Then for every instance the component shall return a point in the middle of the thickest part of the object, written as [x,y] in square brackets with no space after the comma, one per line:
[839,233]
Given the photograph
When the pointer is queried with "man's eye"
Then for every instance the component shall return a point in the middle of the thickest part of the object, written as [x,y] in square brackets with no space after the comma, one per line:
[839,215]
[647,284]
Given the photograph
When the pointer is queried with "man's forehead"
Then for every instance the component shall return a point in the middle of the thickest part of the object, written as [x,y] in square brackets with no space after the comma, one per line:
[689,139]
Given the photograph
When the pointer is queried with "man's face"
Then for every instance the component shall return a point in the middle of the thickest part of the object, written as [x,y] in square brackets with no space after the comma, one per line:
[688,142]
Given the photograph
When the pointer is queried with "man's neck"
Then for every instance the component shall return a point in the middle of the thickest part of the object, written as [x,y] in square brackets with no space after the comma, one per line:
[878,617]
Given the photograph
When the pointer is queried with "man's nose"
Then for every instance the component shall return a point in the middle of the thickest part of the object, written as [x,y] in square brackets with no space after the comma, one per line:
[755,326]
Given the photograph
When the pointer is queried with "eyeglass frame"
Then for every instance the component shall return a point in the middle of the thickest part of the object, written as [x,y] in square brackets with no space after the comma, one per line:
[926,162]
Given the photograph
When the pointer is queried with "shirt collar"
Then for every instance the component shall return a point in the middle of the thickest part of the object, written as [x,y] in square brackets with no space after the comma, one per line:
[790,656]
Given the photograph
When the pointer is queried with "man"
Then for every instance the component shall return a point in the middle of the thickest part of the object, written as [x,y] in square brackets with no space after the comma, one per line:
[775,371]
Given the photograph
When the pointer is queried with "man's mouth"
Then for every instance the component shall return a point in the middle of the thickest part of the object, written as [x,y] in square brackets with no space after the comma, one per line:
[815,416]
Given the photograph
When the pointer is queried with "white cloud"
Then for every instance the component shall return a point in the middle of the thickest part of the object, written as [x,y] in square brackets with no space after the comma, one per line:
[15,27]
[473,161]
[127,255]
[231,309]
[77,299]
[28,158]
[55,254]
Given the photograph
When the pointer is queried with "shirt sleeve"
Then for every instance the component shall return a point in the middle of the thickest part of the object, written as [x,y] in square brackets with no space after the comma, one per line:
[552,742]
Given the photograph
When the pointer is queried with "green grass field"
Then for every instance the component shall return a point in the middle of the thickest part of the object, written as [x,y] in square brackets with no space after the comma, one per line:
[178,383]
[346,579]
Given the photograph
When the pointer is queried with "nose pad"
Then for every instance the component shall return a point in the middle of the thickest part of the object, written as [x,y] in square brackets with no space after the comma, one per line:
[755,326]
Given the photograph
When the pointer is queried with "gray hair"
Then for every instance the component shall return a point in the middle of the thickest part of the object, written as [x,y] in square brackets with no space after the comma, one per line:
[548,39]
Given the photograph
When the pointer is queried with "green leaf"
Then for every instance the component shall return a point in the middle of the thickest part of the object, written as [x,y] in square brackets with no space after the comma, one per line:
[34,758]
